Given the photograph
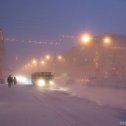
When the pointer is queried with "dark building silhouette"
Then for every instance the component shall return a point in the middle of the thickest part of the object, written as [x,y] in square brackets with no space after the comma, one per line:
[2,55]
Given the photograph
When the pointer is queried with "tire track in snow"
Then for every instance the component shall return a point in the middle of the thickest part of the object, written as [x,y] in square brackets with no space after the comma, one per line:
[69,118]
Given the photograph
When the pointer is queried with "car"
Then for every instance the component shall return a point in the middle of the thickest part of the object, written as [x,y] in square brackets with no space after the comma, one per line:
[42,79]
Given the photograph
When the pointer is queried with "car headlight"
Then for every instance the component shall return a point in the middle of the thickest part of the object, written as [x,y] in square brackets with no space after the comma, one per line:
[51,82]
[41,83]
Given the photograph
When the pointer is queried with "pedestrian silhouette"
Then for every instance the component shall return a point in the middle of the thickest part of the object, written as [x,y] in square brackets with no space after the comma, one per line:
[15,81]
[10,81]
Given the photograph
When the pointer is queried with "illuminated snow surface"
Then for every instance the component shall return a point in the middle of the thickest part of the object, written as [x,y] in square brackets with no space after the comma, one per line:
[27,106]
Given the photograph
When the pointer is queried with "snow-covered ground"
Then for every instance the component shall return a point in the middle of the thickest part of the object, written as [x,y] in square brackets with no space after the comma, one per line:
[110,92]
[102,96]
[27,106]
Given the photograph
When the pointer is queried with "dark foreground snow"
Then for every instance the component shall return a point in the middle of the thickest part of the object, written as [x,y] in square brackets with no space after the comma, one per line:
[27,106]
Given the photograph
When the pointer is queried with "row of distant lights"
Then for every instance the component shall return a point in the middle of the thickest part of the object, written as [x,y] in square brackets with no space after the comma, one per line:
[13,39]
[85,39]
[43,62]
[33,41]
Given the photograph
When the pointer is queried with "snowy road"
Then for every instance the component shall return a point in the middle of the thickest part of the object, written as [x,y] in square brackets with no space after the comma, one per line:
[26,106]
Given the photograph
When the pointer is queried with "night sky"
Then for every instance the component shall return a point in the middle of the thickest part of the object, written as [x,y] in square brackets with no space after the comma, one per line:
[46,20]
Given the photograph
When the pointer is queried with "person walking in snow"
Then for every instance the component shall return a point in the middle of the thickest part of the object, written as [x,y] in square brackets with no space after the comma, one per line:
[10,81]
[15,81]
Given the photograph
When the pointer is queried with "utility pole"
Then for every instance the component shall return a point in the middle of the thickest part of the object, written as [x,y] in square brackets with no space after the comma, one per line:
[2,56]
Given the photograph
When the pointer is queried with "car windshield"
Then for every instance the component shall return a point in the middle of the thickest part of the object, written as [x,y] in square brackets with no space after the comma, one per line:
[46,75]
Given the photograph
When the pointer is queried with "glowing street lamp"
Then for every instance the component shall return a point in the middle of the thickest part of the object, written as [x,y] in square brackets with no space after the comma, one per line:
[60,57]
[107,40]
[48,57]
[34,62]
[43,62]
[86,39]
